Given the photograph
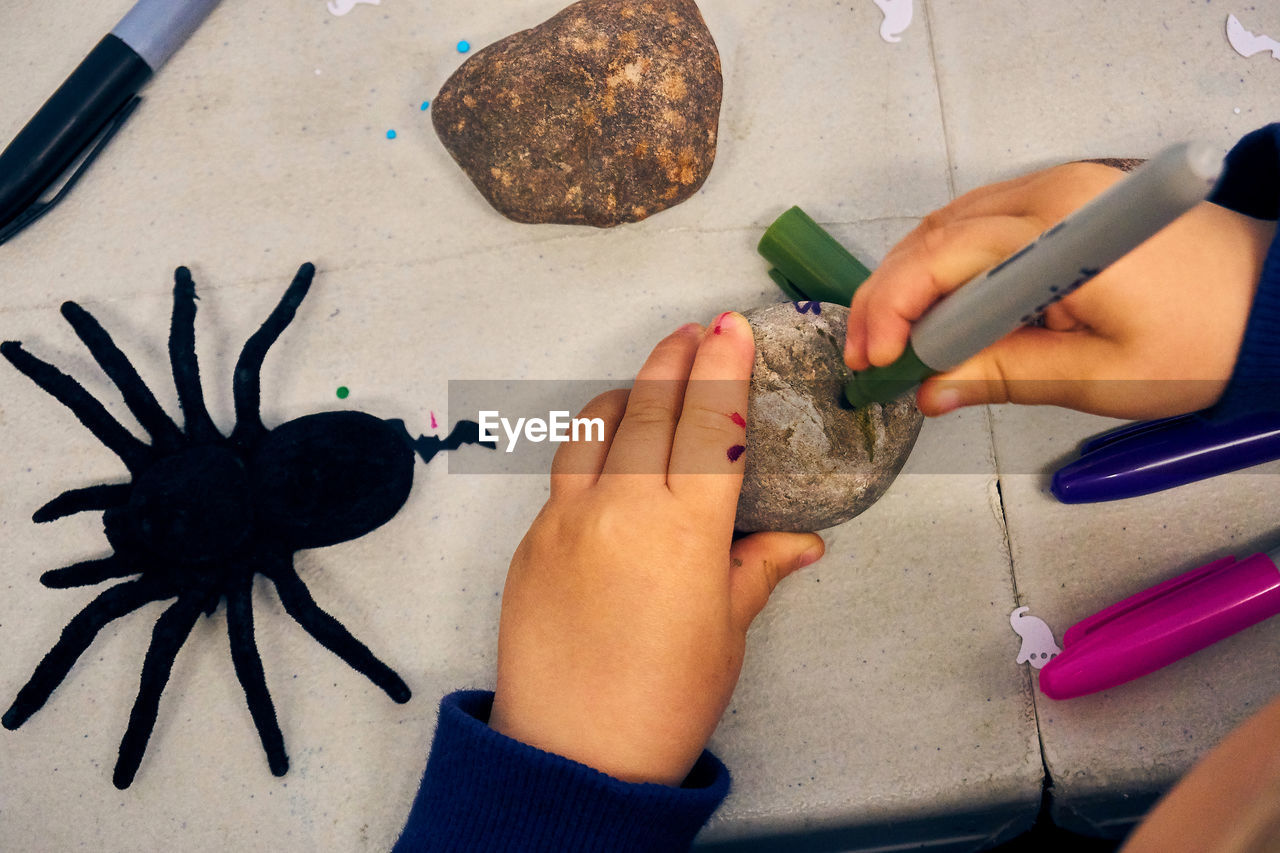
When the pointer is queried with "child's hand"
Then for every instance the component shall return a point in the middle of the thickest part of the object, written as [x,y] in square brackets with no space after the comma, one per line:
[626,608]
[1166,321]
[1227,801]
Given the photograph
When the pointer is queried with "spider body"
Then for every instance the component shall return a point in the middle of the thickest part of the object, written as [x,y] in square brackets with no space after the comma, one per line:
[203,513]
[314,492]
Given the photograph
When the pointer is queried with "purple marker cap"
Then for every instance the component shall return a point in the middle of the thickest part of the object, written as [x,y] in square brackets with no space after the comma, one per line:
[1150,456]
[1160,625]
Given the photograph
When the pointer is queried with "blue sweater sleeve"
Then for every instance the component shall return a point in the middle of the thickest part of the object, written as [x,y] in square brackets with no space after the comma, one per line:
[483,791]
[1250,185]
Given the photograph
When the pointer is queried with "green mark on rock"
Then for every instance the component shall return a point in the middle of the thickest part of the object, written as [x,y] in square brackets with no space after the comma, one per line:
[862,418]
[343,392]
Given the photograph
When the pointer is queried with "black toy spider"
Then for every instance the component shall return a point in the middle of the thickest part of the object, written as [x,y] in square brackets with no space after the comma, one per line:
[205,512]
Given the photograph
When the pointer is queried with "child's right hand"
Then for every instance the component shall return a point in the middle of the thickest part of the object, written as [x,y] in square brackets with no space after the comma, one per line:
[1155,334]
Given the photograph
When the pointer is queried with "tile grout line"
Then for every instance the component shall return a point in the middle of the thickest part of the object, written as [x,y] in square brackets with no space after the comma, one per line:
[1047,780]
[1046,783]
[942,110]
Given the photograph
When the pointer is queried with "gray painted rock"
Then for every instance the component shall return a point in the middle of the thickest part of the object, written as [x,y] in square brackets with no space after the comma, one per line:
[810,462]
[606,113]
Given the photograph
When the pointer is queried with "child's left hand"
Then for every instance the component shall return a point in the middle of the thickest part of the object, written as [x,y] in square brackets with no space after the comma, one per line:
[626,608]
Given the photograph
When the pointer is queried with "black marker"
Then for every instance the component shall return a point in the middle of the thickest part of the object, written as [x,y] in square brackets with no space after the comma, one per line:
[91,105]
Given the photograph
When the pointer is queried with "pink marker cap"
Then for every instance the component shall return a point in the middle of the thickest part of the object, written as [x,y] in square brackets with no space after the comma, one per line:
[1160,625]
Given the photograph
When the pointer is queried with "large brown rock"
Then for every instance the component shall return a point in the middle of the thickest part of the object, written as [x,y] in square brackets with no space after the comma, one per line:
[604,114]
[811,462]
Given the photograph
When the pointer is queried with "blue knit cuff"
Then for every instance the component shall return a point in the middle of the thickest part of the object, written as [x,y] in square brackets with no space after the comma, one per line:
[483,791]
[1255,383]
[1251,185]
[1250,182]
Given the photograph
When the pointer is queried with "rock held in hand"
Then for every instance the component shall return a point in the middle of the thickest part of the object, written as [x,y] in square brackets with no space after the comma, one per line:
[604,114]
[811,462]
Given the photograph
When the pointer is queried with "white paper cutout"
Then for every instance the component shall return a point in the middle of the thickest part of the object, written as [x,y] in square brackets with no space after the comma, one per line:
[1246,43]
[897,17]
[342,7]
[1038,645]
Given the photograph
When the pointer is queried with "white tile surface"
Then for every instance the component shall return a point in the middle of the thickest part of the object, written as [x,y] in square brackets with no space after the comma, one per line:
[1073,560]
[1030,84]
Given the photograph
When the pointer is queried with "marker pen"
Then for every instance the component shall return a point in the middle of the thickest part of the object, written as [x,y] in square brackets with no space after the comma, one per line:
[1149,456]
[90,105]
[1160,625]
[1019,289]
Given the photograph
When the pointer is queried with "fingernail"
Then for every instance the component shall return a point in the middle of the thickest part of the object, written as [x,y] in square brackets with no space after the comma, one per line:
[689,329]
[808,558]
[718,326]
[947,400]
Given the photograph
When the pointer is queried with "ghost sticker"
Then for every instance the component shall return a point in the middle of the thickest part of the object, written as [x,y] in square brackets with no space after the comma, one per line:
[1038,645]
[343,7]
[897,17]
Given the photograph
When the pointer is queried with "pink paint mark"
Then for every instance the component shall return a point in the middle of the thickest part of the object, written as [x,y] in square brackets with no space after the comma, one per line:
[720,323]
[735,452]
[434,425]
[738,419]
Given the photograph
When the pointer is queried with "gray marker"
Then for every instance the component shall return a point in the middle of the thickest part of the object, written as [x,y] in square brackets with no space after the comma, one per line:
[1019,289]
[155,29]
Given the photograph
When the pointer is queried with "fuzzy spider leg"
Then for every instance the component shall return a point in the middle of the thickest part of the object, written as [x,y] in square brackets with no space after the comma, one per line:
[248,665]
[182,356]
[87,499]
[88,573]
[80,632]
[134,453]
[137,396]
[332,634]
[171,631]
[246,384]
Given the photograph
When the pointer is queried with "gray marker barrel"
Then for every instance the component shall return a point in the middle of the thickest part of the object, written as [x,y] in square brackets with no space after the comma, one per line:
[1088,241]
[155,29]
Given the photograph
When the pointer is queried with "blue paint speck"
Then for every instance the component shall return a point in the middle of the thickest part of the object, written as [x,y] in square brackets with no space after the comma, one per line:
[425,104]
[464,46]
[391,134]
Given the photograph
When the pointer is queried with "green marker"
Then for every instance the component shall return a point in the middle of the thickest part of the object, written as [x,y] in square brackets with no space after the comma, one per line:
[808,264]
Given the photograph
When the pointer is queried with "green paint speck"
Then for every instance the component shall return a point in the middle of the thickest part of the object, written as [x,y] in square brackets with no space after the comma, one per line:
[343,392]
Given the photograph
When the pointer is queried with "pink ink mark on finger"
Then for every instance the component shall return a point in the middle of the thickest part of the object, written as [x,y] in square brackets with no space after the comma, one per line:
[720,323]
[738,419]
[735,452]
